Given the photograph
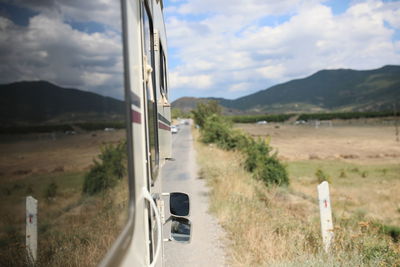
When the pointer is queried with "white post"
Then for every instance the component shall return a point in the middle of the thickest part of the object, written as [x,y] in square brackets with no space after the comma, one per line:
[31,228]
[326,214]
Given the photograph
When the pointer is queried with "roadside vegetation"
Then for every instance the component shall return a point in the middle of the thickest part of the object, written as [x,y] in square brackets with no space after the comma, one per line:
[80,213]
[106,173]
[178,113]
[279,225]
[260,161]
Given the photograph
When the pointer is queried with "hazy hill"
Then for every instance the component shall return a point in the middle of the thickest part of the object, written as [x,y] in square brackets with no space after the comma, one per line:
[186,104]
[42,101]
[341,89]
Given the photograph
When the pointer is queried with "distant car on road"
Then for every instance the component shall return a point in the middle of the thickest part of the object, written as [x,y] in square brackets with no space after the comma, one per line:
[174,129]
[300,122]
[70,132]
[109,129]
[262,122]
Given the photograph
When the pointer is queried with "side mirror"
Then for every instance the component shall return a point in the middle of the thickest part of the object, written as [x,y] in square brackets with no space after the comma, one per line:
[179,204]
[181,230]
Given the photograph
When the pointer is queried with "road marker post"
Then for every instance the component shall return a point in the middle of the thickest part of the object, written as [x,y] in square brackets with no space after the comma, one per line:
[325,214]
[31,228]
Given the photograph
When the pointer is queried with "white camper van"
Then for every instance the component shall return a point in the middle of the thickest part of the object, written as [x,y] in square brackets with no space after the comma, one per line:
[94,197]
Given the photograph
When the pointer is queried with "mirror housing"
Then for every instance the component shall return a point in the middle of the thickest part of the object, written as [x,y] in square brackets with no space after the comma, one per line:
[181,229]
[179,204]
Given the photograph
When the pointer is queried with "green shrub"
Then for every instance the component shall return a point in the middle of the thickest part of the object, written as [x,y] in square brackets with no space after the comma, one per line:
[178,113]
[29,189]
[51,190]
[216,129]
[105,174]
[392,231]
[98,179]
[272,172]
[256,152]
[204,110]
[264,166]
[113,159]
[322,176]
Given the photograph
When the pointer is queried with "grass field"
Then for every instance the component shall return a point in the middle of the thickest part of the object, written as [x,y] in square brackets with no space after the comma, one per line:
[74,229]
[362,144]
[280,226]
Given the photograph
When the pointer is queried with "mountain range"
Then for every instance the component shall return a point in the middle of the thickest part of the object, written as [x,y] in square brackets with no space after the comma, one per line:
[326,90]
[41,101]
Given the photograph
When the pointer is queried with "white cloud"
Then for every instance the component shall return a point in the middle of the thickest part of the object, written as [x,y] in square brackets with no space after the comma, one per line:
[50,49]
[251,8]
[230,43]
[200,81]
[238,87]
[106,12]
[271,72]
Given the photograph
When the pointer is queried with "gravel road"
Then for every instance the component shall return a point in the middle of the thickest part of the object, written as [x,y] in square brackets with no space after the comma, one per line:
[206,247]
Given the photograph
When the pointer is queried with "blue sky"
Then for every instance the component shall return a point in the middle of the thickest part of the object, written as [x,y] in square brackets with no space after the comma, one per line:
[231,48]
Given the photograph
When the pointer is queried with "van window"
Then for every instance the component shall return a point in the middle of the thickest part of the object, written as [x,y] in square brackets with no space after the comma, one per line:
[151,96]
[62,133]
[163,73]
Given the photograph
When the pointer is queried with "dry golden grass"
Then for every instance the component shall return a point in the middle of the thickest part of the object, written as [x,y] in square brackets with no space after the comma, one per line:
[361,144]
[35,154]
[280,226]
[85,233]
[369,190]
[73,229]
[363,163]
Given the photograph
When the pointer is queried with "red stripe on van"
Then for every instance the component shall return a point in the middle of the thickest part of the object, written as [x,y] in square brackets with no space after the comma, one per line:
[136,117]
[163,126]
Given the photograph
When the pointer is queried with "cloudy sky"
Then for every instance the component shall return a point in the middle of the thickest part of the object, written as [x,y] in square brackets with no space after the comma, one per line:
[220,48]
[230,48]
[72,43]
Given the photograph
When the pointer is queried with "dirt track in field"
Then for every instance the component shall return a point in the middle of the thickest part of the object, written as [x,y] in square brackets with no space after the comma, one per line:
[363,144]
